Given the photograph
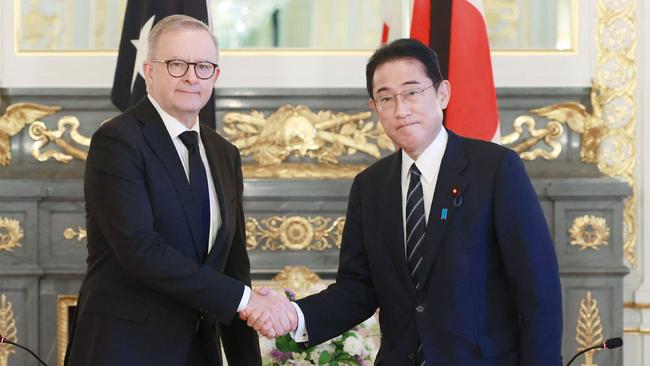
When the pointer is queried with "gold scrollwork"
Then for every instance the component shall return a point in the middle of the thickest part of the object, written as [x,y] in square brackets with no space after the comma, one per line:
[294,233]
[63,305]
[13,233]
[7,329]
[589,232]
[299,279]
[14,120]
[298,132]
[42,136]
[71,234]
[589,329]
[549,134]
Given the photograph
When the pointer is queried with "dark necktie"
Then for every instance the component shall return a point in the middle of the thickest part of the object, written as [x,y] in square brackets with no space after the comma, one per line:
[199,185]
[415,227]
[415,232]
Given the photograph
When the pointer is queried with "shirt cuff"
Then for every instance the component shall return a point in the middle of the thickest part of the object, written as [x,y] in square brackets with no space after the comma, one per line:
[300,334]
[245,297]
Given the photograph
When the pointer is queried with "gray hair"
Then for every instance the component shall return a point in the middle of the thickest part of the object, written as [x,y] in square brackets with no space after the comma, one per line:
[173,22]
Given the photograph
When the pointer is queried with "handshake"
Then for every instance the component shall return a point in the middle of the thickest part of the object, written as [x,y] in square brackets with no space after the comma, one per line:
[270,313]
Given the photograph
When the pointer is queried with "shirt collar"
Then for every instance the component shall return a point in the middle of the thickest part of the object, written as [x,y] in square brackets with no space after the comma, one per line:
[429,161]
[174,126]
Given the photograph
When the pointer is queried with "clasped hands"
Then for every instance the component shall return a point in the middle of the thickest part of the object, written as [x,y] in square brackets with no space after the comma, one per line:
[270,313]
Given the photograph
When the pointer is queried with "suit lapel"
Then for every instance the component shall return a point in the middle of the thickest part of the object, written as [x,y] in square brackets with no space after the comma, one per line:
[161,143]
[217,169]
[392,225]
[443,208]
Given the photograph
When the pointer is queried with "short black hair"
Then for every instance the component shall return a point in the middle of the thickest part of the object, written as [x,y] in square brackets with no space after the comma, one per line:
[401,49]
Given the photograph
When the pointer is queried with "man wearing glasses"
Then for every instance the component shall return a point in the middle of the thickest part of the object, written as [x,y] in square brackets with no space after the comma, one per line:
[445,237]
[167,264]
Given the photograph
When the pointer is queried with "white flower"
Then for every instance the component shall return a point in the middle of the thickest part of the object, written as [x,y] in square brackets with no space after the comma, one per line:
[353,346]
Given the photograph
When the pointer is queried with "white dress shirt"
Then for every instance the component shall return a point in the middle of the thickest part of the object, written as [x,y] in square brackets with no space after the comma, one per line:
[175,128]
[429,165]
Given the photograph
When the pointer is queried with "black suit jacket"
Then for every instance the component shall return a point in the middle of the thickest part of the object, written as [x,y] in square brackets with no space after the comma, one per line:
[492,296]
[146,286]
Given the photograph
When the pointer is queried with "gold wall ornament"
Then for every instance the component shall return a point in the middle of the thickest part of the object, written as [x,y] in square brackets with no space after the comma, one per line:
[43,136]
[589,232]
[277,233]
[549,134]
[298,132]
[13,121]
[299,279]
[63,305]
[7,329]
[10,234]
[589,329]
[71,234]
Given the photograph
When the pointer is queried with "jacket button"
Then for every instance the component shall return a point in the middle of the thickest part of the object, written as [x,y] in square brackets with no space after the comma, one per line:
[419,308]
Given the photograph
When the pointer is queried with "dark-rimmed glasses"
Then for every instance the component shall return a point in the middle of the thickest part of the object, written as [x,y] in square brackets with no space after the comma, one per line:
[177,68]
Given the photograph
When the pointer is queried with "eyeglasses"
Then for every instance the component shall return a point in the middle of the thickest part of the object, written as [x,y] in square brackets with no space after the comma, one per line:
[177,68]
[388,102]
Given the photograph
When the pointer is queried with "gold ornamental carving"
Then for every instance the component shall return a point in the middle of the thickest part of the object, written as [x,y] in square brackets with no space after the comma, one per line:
[42,136]
[589,329]
[279,233]
[608,132]
[298,133]
[63,305]
[10,234]
[7,330]
[550,135]
[15,118]
[299,279]
[589,232]
[72,234]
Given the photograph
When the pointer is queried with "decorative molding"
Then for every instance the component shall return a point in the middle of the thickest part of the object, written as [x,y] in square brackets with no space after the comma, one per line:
[278,233]
[7,329]
[15,118]
[299,279]
[13,233]
[63,305]
[300,133]
[550,134]
[589,329]
[636,331]
[589,232]
[636,305]
[72,234]
[42,136]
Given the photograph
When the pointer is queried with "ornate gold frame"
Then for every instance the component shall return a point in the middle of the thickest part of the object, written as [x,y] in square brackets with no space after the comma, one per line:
[63,305]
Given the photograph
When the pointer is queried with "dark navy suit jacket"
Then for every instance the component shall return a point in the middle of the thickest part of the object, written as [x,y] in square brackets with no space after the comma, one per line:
[492,295]
[146,285]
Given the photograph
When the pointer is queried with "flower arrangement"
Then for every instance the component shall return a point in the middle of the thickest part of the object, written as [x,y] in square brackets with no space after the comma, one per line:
[354,347]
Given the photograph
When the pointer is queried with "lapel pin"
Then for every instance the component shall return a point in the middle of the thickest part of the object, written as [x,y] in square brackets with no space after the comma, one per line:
[443,214]
[458,199]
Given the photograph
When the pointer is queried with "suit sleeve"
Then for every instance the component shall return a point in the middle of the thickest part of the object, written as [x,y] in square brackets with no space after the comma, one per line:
[530,263]
[240,342]
[117,200]
[351,299]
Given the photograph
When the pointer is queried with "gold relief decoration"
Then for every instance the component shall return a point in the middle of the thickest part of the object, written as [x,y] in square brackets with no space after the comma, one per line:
[589,330]
[549,134]
[72,234]
[14,119]
[10,234]
[300,133]
[277,233]
[7,329]
[43,136]
[63,305]
[589,232]
[299,279]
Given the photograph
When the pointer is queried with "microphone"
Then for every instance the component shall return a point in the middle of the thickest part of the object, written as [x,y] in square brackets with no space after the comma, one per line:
[5,340]
[608,344]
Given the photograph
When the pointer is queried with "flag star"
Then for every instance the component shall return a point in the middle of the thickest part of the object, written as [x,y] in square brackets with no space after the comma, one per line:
[142,49]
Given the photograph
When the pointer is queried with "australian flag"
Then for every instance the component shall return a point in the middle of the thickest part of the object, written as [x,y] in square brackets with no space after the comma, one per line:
[139,18]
